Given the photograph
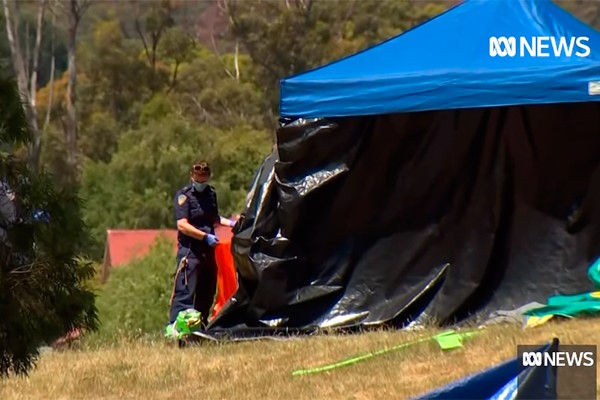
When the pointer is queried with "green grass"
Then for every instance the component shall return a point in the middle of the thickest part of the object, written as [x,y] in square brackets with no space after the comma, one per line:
[153,369]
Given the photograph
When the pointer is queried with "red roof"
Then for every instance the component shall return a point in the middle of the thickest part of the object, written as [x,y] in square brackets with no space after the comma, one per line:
[124,245]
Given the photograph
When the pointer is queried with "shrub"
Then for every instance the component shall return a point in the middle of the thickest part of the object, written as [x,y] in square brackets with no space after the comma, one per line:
[134,302]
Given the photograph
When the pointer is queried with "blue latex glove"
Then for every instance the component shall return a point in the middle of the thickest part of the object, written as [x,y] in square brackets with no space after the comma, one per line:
[232,223]
[40,215]
[212,240]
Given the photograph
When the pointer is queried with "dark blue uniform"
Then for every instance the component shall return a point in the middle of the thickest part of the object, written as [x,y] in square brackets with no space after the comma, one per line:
[8,211]
[196,277]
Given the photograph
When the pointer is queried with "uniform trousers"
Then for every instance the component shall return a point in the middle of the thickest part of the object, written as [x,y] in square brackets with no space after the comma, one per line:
[195,282]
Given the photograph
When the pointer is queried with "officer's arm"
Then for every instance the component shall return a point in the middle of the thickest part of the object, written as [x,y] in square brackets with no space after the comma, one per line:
[182,213]
[226,221]
[188,229]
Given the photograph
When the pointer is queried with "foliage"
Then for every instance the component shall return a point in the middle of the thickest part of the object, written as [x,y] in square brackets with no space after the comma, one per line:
[135,299]
[288,37]
[117,75]
[42,293]
[136,188]
[27,32]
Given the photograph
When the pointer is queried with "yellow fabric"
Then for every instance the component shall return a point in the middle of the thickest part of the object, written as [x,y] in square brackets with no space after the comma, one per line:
[534,321]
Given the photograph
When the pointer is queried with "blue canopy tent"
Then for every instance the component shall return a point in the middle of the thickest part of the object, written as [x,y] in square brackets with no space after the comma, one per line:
[445,63]
[424,179]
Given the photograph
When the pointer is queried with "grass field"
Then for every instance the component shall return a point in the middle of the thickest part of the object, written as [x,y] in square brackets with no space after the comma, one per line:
[263,369]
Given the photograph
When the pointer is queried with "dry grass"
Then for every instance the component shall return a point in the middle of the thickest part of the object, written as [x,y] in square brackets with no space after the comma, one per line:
[263,369]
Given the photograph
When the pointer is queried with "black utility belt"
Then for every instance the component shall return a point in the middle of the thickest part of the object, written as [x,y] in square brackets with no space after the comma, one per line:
[201,247]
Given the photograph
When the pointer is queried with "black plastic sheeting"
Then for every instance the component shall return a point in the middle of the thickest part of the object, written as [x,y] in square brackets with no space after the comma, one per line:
[439,216]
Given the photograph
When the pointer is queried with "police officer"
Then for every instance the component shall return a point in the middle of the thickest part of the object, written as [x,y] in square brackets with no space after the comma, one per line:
[196,214]
[8,210]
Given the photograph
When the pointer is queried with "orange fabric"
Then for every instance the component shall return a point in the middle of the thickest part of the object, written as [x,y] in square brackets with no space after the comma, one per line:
[226,275]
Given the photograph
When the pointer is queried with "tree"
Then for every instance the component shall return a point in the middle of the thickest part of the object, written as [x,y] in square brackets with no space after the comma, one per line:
[212,93]
[42,292]
[152,24]
[27,81]
[176,47]
[291,36]
[74,9]
[117,79]
[5,56]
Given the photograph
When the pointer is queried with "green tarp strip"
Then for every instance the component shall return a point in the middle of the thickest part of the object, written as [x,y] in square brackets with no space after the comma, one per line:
[574,304]
[446,340]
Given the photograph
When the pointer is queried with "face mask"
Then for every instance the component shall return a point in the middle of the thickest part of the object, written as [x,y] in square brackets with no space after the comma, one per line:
[199,187]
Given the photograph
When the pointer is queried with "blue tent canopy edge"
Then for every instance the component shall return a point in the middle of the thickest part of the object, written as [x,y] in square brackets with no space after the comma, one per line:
[450,65]
[502,382]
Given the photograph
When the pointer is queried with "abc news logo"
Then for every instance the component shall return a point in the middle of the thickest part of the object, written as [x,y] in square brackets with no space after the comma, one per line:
[559,359]
[539,46]
[573,367]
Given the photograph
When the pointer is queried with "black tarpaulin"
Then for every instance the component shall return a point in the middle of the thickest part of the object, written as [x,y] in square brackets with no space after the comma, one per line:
[395,218]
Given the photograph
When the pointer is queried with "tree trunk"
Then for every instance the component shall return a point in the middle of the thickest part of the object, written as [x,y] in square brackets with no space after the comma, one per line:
[71,125]
[236,60]
[20,68]
[52,70]
[36,145]
[75,10]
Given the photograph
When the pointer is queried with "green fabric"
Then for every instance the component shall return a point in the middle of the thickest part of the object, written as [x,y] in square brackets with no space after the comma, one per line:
[447,340]
[574,304]
[574,309]
[187,321]
[452,340]
[560,300]
[594,274]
